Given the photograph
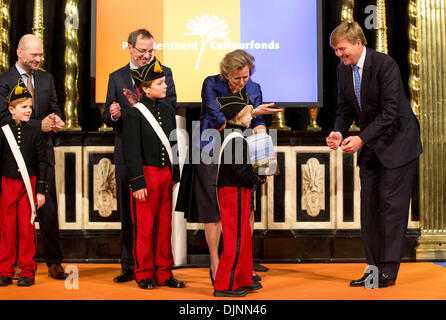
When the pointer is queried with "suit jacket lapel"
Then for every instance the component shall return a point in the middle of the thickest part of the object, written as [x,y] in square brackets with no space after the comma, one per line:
[127,78]
[36,92]
[350,87]
[366,73]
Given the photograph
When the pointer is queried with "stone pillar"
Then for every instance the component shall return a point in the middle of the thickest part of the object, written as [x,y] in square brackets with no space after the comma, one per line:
[431,17]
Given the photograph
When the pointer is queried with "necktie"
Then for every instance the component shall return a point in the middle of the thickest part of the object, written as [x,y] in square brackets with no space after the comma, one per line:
[357,85]
[29,83]
[30,87]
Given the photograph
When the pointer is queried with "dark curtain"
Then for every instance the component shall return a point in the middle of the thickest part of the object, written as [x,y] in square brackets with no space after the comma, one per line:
[398,46]
[54,43]
[297,119]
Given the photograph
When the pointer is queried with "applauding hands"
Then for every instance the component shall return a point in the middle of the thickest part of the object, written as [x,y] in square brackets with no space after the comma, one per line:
[349,145]
[52,122]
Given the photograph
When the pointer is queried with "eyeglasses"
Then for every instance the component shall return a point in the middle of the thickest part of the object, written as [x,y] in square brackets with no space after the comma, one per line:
[144,51]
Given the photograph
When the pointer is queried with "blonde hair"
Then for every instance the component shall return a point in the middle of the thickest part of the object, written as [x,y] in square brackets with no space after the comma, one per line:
[247,109]
[236,60]
[349,30]
[16,102]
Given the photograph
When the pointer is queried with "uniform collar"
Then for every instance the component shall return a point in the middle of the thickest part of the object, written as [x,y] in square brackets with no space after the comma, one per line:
[230,125]
[20,124]
[145,100]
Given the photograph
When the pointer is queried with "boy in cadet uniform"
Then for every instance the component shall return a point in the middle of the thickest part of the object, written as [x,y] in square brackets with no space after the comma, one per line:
[152,177]
[235,181]
[15,208]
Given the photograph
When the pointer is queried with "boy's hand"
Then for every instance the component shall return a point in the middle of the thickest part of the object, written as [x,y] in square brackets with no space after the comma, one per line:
[140,194]
[174,185]
[40,200]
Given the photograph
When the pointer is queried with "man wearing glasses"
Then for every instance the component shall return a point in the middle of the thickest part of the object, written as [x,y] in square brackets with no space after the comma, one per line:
[141,49]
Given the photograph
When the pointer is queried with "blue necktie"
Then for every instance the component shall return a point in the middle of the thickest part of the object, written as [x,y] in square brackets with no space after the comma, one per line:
[357,85]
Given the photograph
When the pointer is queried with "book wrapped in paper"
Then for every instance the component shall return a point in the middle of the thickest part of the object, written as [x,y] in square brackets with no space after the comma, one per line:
[262,155]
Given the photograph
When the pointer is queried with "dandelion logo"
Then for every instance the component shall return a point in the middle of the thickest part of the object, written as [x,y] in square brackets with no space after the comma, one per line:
[208,27]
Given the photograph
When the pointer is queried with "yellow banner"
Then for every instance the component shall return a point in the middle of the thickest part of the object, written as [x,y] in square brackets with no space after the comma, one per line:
[197,34]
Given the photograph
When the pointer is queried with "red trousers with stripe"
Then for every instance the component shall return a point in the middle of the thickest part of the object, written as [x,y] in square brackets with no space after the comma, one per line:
[152,249]
[15,215]
[235,266]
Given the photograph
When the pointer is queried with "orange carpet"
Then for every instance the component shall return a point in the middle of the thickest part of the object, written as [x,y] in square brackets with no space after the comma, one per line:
[417,281]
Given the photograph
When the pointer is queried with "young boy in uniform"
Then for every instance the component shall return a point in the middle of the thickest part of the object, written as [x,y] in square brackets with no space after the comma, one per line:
[152,178]
[235,181]
[15,208]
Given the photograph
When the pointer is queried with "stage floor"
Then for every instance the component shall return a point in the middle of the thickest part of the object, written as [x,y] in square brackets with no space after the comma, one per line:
[323,281]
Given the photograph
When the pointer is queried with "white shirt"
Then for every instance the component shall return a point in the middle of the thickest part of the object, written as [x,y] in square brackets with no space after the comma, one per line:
[24,76]
[360,65]
[132,66]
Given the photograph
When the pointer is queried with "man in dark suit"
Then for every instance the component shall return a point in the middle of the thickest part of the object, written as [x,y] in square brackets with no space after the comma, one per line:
[370,90]
[141,49]
[47,116]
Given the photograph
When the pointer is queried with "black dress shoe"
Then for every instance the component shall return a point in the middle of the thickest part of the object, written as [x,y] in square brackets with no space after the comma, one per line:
[260,268]
[385,280]
[253,287]
[237,293]
[5,281]
[173,283]
[146,284]
[361,281]
[25,282]
[256,278]
[56,271]
[125,276]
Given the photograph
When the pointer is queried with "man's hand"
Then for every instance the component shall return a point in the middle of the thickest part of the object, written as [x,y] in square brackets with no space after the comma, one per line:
[140,194]
[48,123]
[58,123]
[265,109]
[115,110]
[352,144]
[174,185]
[334,140]
[131,96]
[40,200]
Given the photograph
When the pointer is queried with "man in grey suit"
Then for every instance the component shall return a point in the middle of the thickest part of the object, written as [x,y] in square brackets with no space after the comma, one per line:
[141,50]
[370,90]
[47,116]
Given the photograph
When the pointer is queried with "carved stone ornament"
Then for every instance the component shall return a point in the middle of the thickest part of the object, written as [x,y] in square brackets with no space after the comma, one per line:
[313,188]
[104,188]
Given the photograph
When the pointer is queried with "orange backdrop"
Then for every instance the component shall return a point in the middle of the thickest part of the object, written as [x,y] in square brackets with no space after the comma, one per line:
[115,19]
[189,37]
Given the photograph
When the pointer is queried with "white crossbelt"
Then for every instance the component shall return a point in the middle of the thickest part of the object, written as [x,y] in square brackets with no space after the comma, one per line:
[158,130]
[22,166]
